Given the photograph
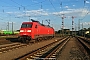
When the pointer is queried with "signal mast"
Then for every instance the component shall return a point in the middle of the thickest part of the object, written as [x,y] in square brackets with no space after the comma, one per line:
[73,23]
[63,23]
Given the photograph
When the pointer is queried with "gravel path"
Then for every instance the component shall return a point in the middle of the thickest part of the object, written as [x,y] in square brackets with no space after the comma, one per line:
[71,51]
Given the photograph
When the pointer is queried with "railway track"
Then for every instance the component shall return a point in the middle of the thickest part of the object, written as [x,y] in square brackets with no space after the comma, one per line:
[50,51]
[73,51]
[46,52]
[10,47]
[86,45]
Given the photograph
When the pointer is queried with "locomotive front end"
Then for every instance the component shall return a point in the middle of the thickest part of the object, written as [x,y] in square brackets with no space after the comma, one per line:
[25,31]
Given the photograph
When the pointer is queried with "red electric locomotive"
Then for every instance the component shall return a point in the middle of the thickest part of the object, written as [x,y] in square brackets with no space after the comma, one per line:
[34,30]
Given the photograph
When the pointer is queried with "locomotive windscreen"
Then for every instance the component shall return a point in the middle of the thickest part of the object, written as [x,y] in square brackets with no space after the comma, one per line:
[26,26]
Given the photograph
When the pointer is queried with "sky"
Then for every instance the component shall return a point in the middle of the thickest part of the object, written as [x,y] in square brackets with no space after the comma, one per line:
[18,11]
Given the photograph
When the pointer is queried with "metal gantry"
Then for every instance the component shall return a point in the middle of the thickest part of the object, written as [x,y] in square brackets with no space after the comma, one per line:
[72,24]
[63,23]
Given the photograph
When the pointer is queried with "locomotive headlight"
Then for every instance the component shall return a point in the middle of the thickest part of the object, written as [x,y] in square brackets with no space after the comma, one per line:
[28,30]
[21,30]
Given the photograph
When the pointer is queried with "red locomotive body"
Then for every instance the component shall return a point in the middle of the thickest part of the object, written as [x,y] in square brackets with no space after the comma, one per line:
[34,30]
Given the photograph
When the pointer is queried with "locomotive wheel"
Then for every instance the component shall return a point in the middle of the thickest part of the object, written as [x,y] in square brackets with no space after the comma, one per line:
[23,41]
[37,39]
[27,41]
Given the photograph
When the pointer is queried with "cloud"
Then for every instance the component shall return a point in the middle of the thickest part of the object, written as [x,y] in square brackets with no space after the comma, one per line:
[34,1]
[87,2]
[73,5]
[41,12]
[66,7]
[73,12]
[34,13]
[14,13]
[9,12]
[85,23]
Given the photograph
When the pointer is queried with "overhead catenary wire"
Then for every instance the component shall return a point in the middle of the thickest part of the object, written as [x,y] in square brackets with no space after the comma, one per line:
[4,10]
[82,10]
[8,4]
[25,7]
[85,15]
[84,4]
[18,4]
[38,3]
[52,5]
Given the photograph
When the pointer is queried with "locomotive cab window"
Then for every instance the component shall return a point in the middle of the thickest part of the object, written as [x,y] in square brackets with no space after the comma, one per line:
[26,26]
